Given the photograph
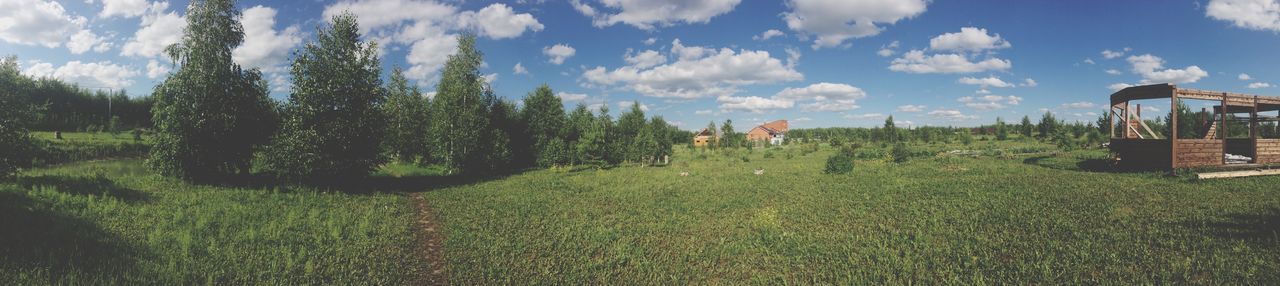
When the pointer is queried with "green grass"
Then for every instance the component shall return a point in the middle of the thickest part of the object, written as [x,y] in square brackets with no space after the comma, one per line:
[1002,218]
[83,146]
[111,222]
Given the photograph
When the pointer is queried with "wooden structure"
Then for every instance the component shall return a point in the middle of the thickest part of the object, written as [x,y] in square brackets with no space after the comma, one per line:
[1137,146]
[705,137]
[772,133]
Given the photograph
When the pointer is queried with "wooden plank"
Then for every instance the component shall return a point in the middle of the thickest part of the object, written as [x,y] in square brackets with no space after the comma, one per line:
[1237,174]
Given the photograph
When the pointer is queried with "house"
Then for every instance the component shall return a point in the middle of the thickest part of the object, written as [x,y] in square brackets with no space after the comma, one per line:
[705,137]
[773,133]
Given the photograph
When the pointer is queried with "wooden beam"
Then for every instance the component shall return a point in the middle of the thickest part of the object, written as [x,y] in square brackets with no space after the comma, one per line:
[1173,129]
[1223,129]
[1237,174]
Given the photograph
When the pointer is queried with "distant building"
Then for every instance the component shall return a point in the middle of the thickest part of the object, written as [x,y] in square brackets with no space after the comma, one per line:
[772,132]
[705,137]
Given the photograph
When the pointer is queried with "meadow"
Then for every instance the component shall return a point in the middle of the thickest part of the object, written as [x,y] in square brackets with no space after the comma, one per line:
[1016,212]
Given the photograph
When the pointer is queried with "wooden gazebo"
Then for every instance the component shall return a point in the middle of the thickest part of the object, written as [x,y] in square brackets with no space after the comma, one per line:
[1136,145]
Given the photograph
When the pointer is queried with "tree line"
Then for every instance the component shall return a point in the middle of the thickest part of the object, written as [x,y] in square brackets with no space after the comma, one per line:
[61,106]
[214,119]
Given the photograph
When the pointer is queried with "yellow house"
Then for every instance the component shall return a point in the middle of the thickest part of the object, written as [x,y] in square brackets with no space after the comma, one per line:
[705,137]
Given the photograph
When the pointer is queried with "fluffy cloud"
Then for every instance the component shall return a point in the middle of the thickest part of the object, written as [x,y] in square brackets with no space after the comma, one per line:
[888,50]
[916,61]
[429,28]
[626,105]
[832,22]
[951,114]
[519,69]
[911,108]
[1109,54]
[990,102]
[559,53]
[1258,85]
[565,96]
[1244,76]
[991,81]
[864,116]
[1079,105]
[645,59]
[650,41]
[767,34]
[159,30]
[1113,72]
[497,21]
[263,47]
[969,39]
[1118,86]
[649,14]
[85,40]
[821,96]
[754,104]
[696,72]
[155,69]
[1030,83]
[1151,68]
[1248,14]
[124,8]
[35,22]
[90,75]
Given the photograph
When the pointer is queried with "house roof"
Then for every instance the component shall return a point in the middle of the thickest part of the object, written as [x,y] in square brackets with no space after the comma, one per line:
[775,127]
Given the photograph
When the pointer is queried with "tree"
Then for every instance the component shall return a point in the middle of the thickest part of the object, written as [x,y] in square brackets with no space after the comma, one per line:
[711,127]
[612,148]
[458,122]
[210,113]
[1002,130]
[407,118]
[580,122]
[496,152]
[543,112]
[592,146]
[890,130]
[630,125]
[662,138]
[16,114]
[1025,128]
[1048,125]
[729,137]
[333,123]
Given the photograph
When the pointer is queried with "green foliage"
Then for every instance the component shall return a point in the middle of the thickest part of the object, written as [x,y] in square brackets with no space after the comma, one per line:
[1048,125]
[543,112]
[67,107]
[901,153]
[209,114]
[333,123]
[459,123]
[890,130]
[407,119]
[841,162]
[729,138]
[1025,128]
[626,135]
[1002,130]
[16,114]
[1064,141]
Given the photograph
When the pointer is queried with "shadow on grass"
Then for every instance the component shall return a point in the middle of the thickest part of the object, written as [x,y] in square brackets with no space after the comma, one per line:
[81,185]
[1092,165]
[35,237]
[365,185]
[1258,228]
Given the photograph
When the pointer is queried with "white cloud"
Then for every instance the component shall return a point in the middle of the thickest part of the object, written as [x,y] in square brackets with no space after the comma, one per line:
[991,81]
[645,59]
[565,96]
[969,39]
[428,54]
[35,22]
[697,72]
[558,53]
[1118,86]
[1079,105]
[650,41]
[519,69]
[951,114]
[649,14]
[280,83]
[85,40]
[754,104]
[835,21]
[888,50]
[990,102]
[1109,54]
[490,78]
[864,116]
[90,75]
[911,108]
[626,105]
[703,112]
[1149,67]
[263,47]
[1113,72]
[1258,85]
[1089,61]
[159,30]
[1248,14]
[915,61]
[498,21]
[767,34]
[1244,76]
[1030,83]
[156,70]
[123,8]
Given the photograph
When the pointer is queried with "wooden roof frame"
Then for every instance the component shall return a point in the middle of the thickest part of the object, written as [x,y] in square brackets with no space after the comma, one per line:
[1174,152]
[1234,101]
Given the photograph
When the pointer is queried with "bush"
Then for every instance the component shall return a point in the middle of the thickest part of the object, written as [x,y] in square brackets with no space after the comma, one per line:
[746,159]
[901,153]
[840,163]
[1064,141]
[768,154]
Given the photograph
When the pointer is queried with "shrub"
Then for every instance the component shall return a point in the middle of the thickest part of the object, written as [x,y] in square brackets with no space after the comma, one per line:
[840,163]
[746,159]
[768,154]
[1064,141]
[901,153]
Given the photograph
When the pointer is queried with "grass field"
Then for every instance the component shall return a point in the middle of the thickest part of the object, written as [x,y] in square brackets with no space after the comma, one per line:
[1010,213]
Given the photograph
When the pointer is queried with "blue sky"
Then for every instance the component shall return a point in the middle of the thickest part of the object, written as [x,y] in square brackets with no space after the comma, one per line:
[817,63]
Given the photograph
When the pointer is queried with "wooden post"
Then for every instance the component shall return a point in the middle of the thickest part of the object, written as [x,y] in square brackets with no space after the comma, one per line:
[1253,128]
[1173,130]
[1222,129]
[1126,120]
[1111,120]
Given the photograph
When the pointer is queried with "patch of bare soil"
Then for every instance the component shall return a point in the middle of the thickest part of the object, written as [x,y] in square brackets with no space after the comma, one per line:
[430,244]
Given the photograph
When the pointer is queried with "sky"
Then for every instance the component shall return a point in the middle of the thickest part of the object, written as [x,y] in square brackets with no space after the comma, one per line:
[815,63]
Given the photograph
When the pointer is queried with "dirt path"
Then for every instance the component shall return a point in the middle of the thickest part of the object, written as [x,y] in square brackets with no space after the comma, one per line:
[431,244]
